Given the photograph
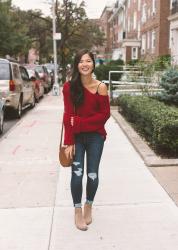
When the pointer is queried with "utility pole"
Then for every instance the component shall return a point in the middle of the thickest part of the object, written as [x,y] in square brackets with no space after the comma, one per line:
[56,36]
[54,42]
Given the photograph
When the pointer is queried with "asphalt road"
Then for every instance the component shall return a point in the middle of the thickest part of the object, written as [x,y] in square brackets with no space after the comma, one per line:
[9,122]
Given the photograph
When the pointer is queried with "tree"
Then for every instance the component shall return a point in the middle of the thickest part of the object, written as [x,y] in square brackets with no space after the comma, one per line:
[39,31]
[13,38]
[21,30]
[77,31]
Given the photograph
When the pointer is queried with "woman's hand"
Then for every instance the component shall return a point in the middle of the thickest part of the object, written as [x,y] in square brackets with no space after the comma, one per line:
[70,151]
[75,122]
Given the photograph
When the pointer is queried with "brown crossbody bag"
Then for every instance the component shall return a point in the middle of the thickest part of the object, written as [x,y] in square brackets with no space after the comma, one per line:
[64,160]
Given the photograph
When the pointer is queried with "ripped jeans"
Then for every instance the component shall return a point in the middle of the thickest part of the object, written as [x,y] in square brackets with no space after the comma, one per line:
[92,143]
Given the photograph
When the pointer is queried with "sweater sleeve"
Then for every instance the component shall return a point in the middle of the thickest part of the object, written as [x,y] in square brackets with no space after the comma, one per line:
[96,121]
[68,112]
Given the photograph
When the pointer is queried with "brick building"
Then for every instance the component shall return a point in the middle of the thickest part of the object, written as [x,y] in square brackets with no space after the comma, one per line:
[115,30]
[173,18]
[154,28]
[104,52]
[131,42]
[140,29]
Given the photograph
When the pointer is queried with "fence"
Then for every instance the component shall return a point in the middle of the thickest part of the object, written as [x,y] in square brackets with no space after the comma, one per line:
[133,82]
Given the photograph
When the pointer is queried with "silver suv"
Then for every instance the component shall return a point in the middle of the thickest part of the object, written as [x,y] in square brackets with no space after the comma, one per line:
[16,87]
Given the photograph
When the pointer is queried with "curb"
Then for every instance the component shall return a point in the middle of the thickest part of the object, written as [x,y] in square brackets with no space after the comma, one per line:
[147,154]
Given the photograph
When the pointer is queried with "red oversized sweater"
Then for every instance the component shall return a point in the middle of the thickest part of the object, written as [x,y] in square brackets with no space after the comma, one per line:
[89,117]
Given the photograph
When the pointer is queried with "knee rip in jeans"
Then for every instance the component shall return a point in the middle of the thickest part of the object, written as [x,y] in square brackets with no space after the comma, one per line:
[78,172]
[76,163]
[92,176]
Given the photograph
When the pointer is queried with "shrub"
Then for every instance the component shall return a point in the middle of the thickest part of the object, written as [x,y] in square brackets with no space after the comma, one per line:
[102,71]
[116,62]
[154,120]
[169,82]
[162,62]
[133,62]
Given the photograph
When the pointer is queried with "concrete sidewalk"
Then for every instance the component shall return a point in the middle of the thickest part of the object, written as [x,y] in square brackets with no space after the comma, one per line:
[131,212]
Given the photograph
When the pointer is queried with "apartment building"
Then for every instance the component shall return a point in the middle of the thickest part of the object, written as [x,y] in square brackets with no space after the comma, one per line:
[140,29]
[115,27]
[173,18]
[154,28]
[131,39]
[104,52]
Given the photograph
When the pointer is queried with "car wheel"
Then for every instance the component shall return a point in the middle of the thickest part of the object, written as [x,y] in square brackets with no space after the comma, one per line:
[1,121]
[37,99]
[18,111]
[33,101]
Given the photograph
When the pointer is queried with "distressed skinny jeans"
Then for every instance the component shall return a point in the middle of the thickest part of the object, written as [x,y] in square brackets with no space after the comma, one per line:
[92,144]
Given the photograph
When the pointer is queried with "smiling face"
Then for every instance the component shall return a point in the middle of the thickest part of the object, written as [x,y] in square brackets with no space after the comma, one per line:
[85,66]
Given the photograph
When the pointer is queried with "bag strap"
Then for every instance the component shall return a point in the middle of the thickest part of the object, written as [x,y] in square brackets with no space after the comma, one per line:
[62,129]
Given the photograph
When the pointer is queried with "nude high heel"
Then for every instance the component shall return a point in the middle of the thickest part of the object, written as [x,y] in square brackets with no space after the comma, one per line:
[88,213]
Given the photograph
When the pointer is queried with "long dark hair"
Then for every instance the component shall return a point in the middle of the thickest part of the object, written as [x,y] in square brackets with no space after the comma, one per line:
[76,88]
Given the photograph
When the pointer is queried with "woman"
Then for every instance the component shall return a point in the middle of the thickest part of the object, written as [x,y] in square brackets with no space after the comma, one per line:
[86,110]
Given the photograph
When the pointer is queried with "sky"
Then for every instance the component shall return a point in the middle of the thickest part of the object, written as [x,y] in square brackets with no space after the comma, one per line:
[94,8]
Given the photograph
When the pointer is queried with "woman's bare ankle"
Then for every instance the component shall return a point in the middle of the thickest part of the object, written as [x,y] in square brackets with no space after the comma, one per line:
[79,220]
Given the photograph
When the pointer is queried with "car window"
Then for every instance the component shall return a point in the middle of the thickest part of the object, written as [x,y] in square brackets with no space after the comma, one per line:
[37,75]
[24,74]
[4,71]
[30,72]
[16,72]
[39,69]
[45,70]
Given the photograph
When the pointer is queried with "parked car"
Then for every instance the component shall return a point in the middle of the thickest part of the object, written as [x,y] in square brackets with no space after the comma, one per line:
[1,114]
[50,68]
[16,87]
[38,83]
[45,76]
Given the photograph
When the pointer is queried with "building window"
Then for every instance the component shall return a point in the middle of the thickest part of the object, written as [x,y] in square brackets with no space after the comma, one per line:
[134,53]
[143,50]
[174,6]
[128,25]
[171,39]
[153,40]
[139,5]
[128,3]
[144,9]
[148,40]
[149,13]
[135,20]
[139,32]
[153,7]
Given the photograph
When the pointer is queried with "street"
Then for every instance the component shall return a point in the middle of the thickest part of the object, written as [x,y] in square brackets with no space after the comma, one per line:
[10,121]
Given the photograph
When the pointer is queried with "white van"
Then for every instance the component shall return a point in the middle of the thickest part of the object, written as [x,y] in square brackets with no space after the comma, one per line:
[16,87]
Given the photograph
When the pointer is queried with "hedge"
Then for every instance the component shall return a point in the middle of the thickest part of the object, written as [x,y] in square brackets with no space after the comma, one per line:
[155,121]
[102,72]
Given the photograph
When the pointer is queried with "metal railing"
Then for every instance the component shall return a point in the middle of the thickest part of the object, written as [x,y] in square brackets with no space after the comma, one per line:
[135,82]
